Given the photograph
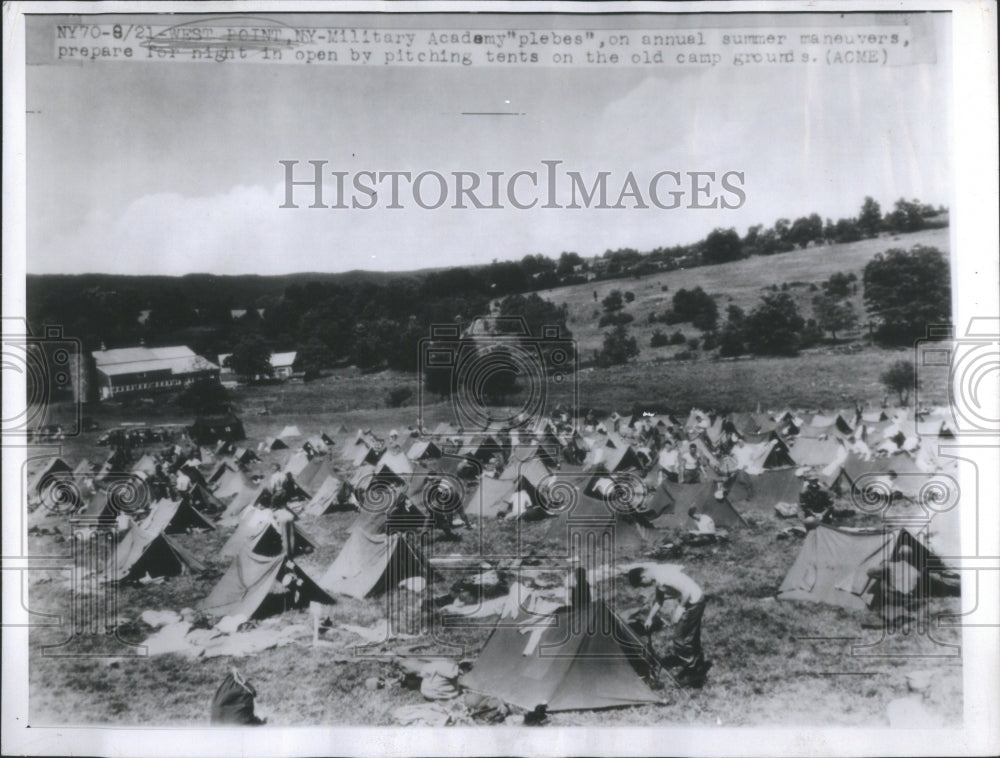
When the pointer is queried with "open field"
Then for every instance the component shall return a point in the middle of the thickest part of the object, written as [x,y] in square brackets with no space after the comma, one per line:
[739,283]
[775,663]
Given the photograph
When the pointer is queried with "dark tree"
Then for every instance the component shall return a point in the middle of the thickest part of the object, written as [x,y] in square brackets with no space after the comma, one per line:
[567,262]
[774,327]
[732,339]
[251,359]
[614,301]
[870,218]
[906,216]
[905,292]
[618,348]
[833,315]
[900,378]
[806,230]
[721,246]
[839,285]
[695,306]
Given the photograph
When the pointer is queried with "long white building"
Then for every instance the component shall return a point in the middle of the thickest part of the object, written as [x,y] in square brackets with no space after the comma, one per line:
[146,370]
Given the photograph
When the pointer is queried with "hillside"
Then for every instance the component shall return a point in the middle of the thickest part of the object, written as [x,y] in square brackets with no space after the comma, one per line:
[740,283]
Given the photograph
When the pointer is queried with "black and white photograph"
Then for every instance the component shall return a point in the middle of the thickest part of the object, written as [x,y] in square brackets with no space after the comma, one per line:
[511,379]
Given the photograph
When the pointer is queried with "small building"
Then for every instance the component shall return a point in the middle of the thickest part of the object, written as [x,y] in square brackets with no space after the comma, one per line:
[283,363]
[132,371]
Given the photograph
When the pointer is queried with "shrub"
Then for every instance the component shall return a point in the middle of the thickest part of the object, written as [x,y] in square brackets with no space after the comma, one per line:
[900,378]
[696,306]
[774,327]
[659,339]
[618,348]
[710,341]
[907,291]
[615,319]
[398,396]
[614,301]
[677,338]
[693,343]
[629,296]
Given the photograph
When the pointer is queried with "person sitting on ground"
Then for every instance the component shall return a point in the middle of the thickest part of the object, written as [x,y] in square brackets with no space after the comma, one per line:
[674,586]
[704,531]
[691,465]
[816,503]
[438,677]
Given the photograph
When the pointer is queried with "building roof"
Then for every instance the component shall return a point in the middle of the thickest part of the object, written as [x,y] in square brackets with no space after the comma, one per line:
[282,360]
[133,360]
[278,360]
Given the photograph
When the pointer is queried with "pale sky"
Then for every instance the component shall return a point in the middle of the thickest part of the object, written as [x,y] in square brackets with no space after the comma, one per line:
[142,168]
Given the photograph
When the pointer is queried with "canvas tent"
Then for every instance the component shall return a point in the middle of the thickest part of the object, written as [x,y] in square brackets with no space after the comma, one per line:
[332,494]
[832,565]
[175,517]
[289,432]
[229,484]
[631,530]
[256,586]
[372,564]
[205,501]
[147,552]
[481,448]
[424,450]
[579,658]
[264,532]
[48,473]
[251,494]
[701,496]
[145,465]
[765,490]
[489,498]
[222,469]
[814,452]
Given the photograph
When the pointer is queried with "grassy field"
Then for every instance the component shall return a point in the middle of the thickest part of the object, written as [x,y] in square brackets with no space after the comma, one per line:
[775,663]
[741,283]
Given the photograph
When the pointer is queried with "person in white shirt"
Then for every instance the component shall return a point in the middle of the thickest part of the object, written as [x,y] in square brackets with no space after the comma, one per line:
[275,482]
[704,532]
[183,482]
[668,460]
[675,587]
[691,464]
